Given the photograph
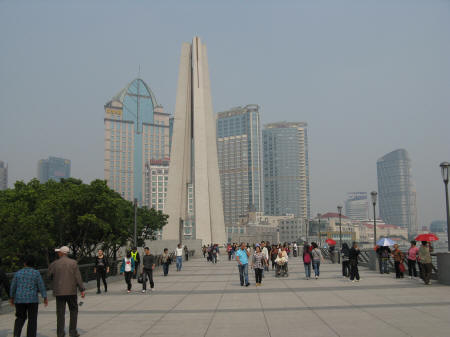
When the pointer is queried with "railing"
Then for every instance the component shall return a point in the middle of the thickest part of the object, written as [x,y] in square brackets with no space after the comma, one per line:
[87,271]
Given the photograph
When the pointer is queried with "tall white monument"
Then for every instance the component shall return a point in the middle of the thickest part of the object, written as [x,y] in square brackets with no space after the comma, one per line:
[194,198]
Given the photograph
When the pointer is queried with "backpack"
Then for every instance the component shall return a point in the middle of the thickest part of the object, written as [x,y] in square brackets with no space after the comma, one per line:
[306,258]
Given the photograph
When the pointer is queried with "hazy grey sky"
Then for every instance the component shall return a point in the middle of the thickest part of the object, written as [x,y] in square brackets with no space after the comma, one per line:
[368,77]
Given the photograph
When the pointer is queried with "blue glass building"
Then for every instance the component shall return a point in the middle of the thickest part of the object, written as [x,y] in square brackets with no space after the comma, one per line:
[286,169]
[240,161]
[136,133]
[396,191]
[53,168]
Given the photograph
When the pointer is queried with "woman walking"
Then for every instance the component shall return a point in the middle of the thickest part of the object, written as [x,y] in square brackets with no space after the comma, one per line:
[166,261]
[316,259]
[345,254]
[127,269]
[353,260]
[307,258]
[258,264]
[398,261]
[273,255]
[101,269]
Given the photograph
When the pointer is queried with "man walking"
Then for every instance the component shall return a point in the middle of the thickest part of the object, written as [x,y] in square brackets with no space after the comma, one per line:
[26,284]
[242,259]
[66,279]
[179,256]
[265,254]
[137,261]
[148,265]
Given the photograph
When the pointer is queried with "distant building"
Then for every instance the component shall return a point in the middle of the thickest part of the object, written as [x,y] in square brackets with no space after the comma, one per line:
[136,132]
[3,176]
[357,206]
[397,233]
[53,168]
[438,226]
[239,149]
[286,169]
[396,190]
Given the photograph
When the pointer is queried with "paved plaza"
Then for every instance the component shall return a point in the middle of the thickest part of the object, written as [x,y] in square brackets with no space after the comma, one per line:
[207,300]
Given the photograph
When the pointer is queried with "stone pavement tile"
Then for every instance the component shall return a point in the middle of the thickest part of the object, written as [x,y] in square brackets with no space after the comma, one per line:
[179,324]
[226,324]
[355,323]
[200,301]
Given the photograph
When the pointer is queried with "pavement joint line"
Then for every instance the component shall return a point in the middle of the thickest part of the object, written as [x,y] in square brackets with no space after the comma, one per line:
[170,310]
[311,309]
[373,315]
[264,313]
[217,306]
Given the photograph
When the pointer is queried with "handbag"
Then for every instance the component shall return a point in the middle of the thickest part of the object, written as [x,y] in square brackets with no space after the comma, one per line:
[402,267]
[140,278]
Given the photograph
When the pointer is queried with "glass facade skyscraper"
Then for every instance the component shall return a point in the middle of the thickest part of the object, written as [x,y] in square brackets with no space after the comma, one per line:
[357,206]
[286,169]
[136,132]
[240,158]
[396,190]
[3,176]
[53,168]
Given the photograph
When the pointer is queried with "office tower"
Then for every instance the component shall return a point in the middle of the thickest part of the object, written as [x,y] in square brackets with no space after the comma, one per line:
[357,206]
[286,169]
[194,195]
[136,132]
[396,191]
[53,168]
[3,176]
[239,152]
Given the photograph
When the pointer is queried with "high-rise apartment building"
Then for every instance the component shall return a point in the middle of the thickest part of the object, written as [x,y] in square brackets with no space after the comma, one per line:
[286,169]
[136,132]
[357,206]
[239,149]
[53,168]
[3,176]
[396,190]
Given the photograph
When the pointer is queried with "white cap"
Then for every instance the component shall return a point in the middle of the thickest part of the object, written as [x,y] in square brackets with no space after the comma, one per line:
[63,249]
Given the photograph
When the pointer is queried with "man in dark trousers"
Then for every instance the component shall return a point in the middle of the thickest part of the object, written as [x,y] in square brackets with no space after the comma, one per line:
[148,265]
[101,269]
[137,260]
[66,279]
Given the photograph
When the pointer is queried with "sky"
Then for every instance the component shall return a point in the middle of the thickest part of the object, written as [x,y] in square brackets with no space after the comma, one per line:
[368,77]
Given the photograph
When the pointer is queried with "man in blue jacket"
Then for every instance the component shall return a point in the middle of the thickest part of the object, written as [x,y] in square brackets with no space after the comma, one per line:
[26,284]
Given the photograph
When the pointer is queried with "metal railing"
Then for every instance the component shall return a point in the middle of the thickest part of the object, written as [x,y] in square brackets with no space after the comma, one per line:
[87,271]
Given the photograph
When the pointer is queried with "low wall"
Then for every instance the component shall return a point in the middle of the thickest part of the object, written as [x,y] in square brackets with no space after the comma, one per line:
[157,246]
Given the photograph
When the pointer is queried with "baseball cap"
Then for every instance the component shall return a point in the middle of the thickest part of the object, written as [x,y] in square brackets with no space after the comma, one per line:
[63,249]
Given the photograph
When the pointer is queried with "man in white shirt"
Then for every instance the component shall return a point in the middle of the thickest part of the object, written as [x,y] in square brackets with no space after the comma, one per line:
[179,256]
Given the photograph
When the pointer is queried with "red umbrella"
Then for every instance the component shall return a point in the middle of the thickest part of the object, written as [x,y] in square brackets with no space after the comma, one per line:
[330,241]
[427,237]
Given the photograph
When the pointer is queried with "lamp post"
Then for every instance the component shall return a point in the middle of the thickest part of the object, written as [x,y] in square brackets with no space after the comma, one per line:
[444,170]
[374,202]
[135,221]
[340,226]
[320,242]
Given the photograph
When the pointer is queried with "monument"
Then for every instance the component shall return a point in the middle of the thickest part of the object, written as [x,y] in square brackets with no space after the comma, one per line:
[194,199]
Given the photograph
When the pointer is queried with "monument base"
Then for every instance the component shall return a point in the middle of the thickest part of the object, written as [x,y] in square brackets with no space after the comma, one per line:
[443,266]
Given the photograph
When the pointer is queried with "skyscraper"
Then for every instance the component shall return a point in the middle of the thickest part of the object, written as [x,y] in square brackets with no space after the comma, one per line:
[239,151]
[3,176]
[136,132]
[396,191]
[357,206]
[286,169]
[53,168]
[194,195]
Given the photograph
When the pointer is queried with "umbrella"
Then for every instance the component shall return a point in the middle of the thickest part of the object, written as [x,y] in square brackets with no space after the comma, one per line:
[330,241]
[427,237]
[385,242]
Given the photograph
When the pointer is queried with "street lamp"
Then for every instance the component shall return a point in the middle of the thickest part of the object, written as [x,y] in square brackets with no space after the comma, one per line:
[318,216]
[374,202]
[135,221]
[444,169]
[340,225]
